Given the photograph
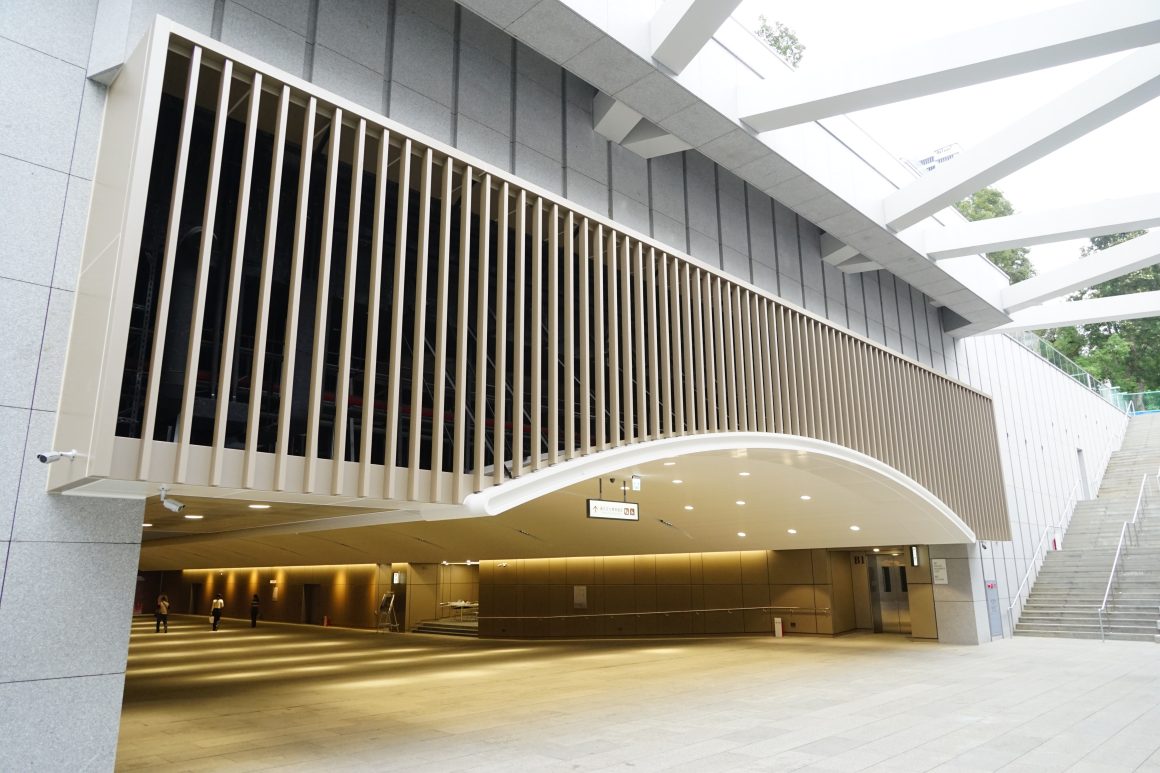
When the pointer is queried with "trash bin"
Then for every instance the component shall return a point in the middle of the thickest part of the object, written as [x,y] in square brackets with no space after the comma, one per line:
[777,627]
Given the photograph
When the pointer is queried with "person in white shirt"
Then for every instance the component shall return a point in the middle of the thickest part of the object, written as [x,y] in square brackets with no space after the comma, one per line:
[218,605]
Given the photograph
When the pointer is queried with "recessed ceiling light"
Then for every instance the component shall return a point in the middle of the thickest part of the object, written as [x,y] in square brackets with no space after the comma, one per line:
[806,497]
[855,528]
[677,480]
[743,474]
[194,517]
[669,464]
[259,507]
[740,501]
[688,507]
[791,531]
[740,534]
[875,550]
[146,525]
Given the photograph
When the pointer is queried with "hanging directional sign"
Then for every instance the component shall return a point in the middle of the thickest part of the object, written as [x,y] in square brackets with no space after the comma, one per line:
[615,511]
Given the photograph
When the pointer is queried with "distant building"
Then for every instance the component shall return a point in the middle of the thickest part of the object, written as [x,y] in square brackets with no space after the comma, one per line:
[935,159]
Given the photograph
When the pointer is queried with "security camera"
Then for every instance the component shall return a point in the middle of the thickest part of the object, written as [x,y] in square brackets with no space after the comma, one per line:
[48,457]
[172,505]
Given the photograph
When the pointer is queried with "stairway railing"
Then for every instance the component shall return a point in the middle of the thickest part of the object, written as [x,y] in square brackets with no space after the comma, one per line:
[1128,532]
[1040,554]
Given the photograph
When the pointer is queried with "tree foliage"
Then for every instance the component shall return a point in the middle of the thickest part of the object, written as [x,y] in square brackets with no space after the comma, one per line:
[988,203]
[1126,353]
[781,39]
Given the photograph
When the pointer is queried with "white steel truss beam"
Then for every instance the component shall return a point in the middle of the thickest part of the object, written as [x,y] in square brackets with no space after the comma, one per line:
[1113,92]
[681,28]
[1000,233]
[1141,252]
[1113,309]
[1020,45]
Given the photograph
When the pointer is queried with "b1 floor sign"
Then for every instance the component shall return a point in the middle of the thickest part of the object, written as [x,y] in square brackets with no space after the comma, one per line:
[993,609]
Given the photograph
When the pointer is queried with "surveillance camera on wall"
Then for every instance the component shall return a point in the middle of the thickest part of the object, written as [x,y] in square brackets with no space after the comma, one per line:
[172,505]
[48,457]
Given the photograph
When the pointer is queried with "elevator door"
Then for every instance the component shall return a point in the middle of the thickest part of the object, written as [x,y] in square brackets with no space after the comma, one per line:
[889,595]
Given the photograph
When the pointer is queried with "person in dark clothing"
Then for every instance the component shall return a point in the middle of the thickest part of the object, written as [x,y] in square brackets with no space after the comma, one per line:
[218,605]
[162,613]
[255,605]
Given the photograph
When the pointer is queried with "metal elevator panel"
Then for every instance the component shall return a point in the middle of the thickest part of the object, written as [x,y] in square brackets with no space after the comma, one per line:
[889,593]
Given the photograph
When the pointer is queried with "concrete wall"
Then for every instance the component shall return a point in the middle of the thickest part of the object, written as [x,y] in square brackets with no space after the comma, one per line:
[537,597]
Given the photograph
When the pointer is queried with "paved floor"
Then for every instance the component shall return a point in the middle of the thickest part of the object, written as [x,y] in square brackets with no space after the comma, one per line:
[293,698]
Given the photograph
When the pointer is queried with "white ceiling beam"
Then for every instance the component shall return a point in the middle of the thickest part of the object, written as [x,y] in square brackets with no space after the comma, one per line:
[681,28]
[649,141]
[1115,91]
[1000,233]
[612,118]
[1124,258]
[1114,309]
[1020,45]
[835,251]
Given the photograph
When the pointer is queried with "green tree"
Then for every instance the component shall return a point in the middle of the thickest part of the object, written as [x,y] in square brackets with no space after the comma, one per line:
[988,203]
[781,39]
[1126,353]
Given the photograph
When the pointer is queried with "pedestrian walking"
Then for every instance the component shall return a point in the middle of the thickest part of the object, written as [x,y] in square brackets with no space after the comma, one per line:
[255,606]
[162,613]
[218,605]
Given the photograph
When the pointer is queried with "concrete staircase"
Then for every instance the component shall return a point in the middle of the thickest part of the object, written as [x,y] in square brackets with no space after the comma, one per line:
[1071,584]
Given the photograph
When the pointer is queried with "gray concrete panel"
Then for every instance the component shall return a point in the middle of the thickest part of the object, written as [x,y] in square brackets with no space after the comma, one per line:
[72,234]
[760,214]
[872,295]
[30,222]
[476,33]
[790,289]
[629,174]
[669,232]
[61,724]
[587,151]
[61,29]
[292,14]
[734,228]
[815,301]
[40,108]
[893,339]
[265,39]
[347,78]
[13,437]
[857,323]
[704,247]
[66,607]
[539,169]
[610,64]
[810,243]
[504,12]
[52,351]
[539,124]
[484,143]
[485,89]
[418,112]
[629,212]
[554,27]
[736,263]
[579,92]
[668,186]
[909,347]
[23,308]
[905,311]
[357,30]
[765,277]
[656,96]
[531,64]
[701,189]
[889,300]
[195,14]
[785,235]
[854,300]
[587,192]
[423,55]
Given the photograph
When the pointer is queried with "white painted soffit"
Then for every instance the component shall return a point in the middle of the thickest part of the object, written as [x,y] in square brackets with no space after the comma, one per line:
[1010,47]
[812,168]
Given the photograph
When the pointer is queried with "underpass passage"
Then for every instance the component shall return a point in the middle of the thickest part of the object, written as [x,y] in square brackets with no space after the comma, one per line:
[290,696]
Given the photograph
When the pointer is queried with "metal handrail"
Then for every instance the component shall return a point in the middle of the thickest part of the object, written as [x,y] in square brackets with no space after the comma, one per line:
[1034,563]
[588,616]
[1128,530]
